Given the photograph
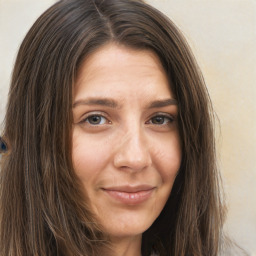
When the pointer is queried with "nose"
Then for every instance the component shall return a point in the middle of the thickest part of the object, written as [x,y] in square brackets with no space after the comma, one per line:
[133,152]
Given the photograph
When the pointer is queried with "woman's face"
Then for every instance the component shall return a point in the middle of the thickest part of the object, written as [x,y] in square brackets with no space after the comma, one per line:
[126,145]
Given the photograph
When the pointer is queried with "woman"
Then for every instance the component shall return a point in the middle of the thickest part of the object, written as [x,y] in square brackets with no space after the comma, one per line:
[109,131]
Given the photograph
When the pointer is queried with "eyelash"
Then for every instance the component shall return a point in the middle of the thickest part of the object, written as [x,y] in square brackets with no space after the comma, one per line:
[168,119]
[86,119]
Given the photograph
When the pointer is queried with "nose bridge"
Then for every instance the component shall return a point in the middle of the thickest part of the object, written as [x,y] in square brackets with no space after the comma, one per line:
[134,138]
[133,151]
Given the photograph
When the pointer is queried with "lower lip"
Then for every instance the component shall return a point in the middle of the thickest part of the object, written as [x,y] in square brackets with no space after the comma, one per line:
[130,198]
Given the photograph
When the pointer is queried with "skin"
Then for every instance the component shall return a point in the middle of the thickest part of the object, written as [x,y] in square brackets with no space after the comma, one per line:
[126,145]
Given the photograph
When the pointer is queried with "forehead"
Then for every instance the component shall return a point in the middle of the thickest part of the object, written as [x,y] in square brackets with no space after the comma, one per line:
[121,71]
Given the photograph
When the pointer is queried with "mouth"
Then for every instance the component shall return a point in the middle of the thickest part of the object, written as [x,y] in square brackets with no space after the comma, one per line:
[130,195]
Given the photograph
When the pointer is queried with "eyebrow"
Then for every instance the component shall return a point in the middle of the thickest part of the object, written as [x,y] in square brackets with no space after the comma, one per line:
[113,104]
[102,102]
[163,103]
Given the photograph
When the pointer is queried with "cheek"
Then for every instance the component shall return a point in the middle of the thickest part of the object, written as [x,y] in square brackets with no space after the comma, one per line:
[87,156]
[167,157]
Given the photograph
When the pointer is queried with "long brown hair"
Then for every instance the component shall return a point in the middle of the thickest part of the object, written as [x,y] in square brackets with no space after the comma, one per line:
[42,209]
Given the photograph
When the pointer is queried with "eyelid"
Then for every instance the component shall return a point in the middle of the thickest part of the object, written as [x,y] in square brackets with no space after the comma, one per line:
[104,115]
[162,114]
[94,113]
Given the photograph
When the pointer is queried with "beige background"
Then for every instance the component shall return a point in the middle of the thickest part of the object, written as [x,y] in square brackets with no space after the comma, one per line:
[222,34]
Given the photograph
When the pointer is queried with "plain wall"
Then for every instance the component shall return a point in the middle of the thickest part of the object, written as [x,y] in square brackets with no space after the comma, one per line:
[222,34]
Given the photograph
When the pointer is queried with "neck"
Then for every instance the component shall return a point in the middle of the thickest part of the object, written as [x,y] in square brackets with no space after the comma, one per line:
[130,246]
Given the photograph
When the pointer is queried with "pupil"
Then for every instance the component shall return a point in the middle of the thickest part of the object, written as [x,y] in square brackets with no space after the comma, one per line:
[94,119]
[158,120]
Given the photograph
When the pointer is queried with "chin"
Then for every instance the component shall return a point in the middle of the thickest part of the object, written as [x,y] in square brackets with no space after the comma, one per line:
[131,223]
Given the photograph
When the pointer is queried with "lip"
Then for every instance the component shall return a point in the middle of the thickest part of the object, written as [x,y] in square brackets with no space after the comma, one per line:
[130,195]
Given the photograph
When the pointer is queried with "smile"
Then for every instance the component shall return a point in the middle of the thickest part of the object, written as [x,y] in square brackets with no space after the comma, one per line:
[130,195]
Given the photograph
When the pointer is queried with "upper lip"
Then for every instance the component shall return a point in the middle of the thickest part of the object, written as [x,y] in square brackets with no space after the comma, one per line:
[129,188]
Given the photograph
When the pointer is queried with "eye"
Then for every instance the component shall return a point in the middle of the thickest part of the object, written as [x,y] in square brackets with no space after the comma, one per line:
[161,120]
[96,120]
